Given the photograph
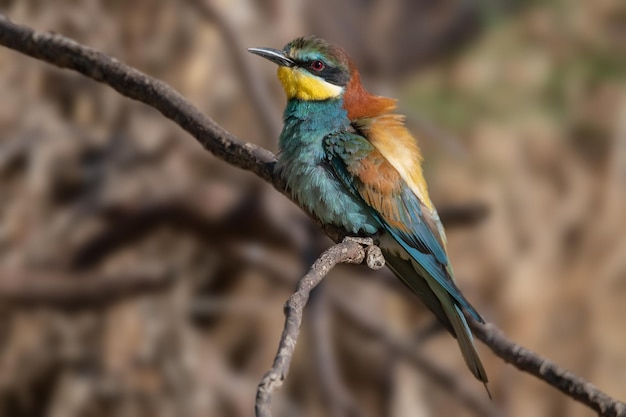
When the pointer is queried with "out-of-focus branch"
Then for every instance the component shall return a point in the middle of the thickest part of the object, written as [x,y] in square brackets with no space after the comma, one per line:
[338,400]
[409,351]
[347,251]
[127,222]
[259,97]
[459,215]
[66,53]
[80,290]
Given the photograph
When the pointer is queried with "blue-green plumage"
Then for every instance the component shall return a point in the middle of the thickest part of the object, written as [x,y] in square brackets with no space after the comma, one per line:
[303,163]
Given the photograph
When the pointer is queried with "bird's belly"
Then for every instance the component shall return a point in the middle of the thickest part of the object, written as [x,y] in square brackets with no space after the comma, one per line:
[326,197]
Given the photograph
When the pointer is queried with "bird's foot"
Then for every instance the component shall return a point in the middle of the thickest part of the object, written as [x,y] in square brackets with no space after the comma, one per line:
[373,255]
[363,241]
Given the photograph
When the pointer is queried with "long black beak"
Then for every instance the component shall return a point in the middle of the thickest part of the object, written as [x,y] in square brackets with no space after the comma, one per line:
[274,55]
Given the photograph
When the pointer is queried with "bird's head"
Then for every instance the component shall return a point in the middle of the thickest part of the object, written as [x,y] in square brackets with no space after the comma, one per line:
[310,68]
[313,69]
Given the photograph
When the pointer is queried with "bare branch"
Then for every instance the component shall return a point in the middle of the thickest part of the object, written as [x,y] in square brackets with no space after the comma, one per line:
[132,83]
[66,53]
[347,251]
[565,381]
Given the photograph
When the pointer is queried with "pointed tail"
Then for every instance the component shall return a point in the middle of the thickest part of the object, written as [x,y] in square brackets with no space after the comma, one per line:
[443,305]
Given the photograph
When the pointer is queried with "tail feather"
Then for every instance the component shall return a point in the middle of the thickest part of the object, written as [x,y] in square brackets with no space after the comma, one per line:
[468,349]
[404,270]
[461,329]
[442,304]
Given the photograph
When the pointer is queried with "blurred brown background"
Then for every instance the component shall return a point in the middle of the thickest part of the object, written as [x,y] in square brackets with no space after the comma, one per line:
[140,276]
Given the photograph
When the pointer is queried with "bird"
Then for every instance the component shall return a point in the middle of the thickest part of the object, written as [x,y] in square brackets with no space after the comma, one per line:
[351,161]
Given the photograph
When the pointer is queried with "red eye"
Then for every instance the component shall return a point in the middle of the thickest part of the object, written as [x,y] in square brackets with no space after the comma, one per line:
[317,65]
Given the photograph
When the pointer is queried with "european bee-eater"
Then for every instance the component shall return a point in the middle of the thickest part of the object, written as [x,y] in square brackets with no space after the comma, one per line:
[352,162]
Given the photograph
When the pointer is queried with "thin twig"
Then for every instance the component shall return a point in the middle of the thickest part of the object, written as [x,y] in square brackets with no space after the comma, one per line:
[344,252]
[66,53]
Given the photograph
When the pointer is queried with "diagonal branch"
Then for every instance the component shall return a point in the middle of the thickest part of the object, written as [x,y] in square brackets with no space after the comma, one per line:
[66,53]
[565,381]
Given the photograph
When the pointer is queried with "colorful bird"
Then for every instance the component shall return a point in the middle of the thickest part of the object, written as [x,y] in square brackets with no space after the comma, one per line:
[352,162]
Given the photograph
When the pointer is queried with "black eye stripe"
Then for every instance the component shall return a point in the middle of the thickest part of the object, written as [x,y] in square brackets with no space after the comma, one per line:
[307,64]
[333,75]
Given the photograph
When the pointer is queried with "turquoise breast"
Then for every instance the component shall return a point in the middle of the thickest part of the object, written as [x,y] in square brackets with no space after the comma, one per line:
[302,163]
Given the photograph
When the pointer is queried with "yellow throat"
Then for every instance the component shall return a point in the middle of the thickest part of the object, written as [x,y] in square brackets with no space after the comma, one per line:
[302,85]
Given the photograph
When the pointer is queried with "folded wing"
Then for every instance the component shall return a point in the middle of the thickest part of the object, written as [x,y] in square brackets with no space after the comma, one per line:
[419,259]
